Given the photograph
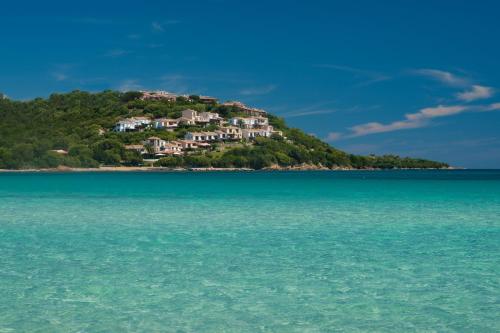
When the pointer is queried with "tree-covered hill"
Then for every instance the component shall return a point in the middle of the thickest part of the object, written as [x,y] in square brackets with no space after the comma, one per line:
[76,130]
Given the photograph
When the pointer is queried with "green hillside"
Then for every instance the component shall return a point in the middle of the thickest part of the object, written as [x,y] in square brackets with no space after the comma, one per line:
[76,130]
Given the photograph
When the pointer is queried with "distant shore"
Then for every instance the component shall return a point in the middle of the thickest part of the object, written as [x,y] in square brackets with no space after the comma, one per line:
[200,169]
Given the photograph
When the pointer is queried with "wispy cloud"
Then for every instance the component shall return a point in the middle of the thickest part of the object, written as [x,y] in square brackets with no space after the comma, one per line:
[315,109]
[159,26]
[444,77]
[325,108]
[60,72]
[258,90]
[476,92]
[492,107]
[368,77]
[115,53]
[58,76]
[419,119]
[412,120]
[309,113]
[438,111]
[375,127]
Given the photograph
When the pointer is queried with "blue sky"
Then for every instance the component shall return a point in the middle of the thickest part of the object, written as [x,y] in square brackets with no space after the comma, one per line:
[415,78]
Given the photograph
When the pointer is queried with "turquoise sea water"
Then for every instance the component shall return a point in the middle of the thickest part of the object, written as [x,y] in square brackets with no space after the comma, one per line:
[400,251]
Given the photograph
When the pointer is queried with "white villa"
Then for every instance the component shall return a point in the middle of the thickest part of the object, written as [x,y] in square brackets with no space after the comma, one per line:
[232,132]
[171,148]
[187,144]
[166,123]
[132,124]
[201,136]
[155,142]
[209,117]
[266,131]
[192,117]
[252,133]
[161,147]
[249,122]
[224,133]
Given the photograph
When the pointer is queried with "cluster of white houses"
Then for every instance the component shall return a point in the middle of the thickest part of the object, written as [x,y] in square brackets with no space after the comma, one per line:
[254,124]
[171,97]
[189,117]
[159,147]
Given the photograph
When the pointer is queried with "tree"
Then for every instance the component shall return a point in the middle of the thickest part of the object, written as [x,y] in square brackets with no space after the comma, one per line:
[23,152]
[132,157]
[194,98]
[150,150]
[170,162]
[130,96]
[197,161]
[6,160]
[108,151]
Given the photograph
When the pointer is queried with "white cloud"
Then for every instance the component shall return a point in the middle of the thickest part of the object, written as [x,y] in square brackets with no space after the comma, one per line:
[419,119]
[412,120]
[493,107]
[258,90]
[447,78]
[374,127]
[476,92]
[438,111]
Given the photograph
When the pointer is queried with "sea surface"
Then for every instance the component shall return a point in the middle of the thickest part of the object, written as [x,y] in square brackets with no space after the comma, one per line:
[368,251]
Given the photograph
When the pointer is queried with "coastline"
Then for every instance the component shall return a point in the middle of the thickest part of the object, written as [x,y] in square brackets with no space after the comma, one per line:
[273,168]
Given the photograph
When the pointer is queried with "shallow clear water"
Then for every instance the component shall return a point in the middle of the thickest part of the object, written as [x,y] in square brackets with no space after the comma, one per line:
[250,252]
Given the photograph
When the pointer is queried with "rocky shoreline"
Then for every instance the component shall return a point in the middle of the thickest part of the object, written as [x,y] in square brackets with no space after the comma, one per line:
[301,167]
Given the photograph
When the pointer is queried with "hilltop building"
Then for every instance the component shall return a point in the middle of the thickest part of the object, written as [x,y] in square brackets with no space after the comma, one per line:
[252,112]
[132,124]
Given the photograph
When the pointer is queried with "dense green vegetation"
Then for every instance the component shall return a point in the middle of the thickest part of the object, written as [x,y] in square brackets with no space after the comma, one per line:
[80,123]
